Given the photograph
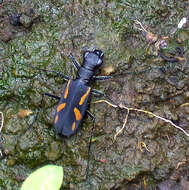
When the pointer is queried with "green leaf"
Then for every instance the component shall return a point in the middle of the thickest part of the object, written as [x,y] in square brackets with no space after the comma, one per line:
[49,177]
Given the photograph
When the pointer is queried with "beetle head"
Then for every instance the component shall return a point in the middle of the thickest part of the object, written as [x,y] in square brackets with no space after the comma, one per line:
[93,59]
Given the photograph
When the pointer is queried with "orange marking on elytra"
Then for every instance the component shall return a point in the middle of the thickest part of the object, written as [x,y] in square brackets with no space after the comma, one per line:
[67,90]
[77,114]
[61,106]
[73,126]
[56,119]
[84,96]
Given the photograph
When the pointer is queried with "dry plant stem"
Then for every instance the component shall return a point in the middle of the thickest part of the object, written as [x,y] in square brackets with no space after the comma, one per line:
[124,124]
[141,27]
[139,110]
[183,162]
[186,104]
[2,121]
[141,145]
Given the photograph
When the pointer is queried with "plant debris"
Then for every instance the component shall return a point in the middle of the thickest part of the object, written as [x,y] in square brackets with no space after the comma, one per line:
[22,113]
[161,44]
[121,106]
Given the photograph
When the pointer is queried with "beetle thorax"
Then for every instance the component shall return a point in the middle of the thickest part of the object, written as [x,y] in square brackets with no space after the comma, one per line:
[85,74]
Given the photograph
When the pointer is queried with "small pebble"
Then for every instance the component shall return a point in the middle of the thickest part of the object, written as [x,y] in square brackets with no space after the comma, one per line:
[182,22]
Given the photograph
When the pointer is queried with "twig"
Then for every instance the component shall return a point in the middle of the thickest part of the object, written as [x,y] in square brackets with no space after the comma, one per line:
[2,121]
[139,110]
[141,27]
[124,124]
[141,145]
[186,104]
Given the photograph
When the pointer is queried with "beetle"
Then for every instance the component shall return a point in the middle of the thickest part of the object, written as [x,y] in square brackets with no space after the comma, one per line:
[73,102]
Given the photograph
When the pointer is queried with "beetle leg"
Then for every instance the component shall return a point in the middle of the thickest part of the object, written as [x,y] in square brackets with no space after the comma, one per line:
[76,64]
[89,147]
[38,111]
[98,93]
[40,106]
[102,77]
[90,115]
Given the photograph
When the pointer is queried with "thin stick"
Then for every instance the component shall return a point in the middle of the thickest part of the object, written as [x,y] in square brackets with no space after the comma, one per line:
[139,110]
[2,154]
[159,117]
[124,124]
[2,121]
[141,26]
[186,104]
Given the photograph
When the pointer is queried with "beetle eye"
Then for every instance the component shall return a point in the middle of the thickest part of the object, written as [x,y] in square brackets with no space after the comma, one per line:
[102,55]
[99,62]
[86,53]
[99,53]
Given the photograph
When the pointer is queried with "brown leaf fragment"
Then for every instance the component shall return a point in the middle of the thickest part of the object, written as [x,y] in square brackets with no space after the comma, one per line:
[151,38]
[22,113]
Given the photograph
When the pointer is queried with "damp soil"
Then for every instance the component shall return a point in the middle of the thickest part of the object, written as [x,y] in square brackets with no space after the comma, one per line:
[41,34]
